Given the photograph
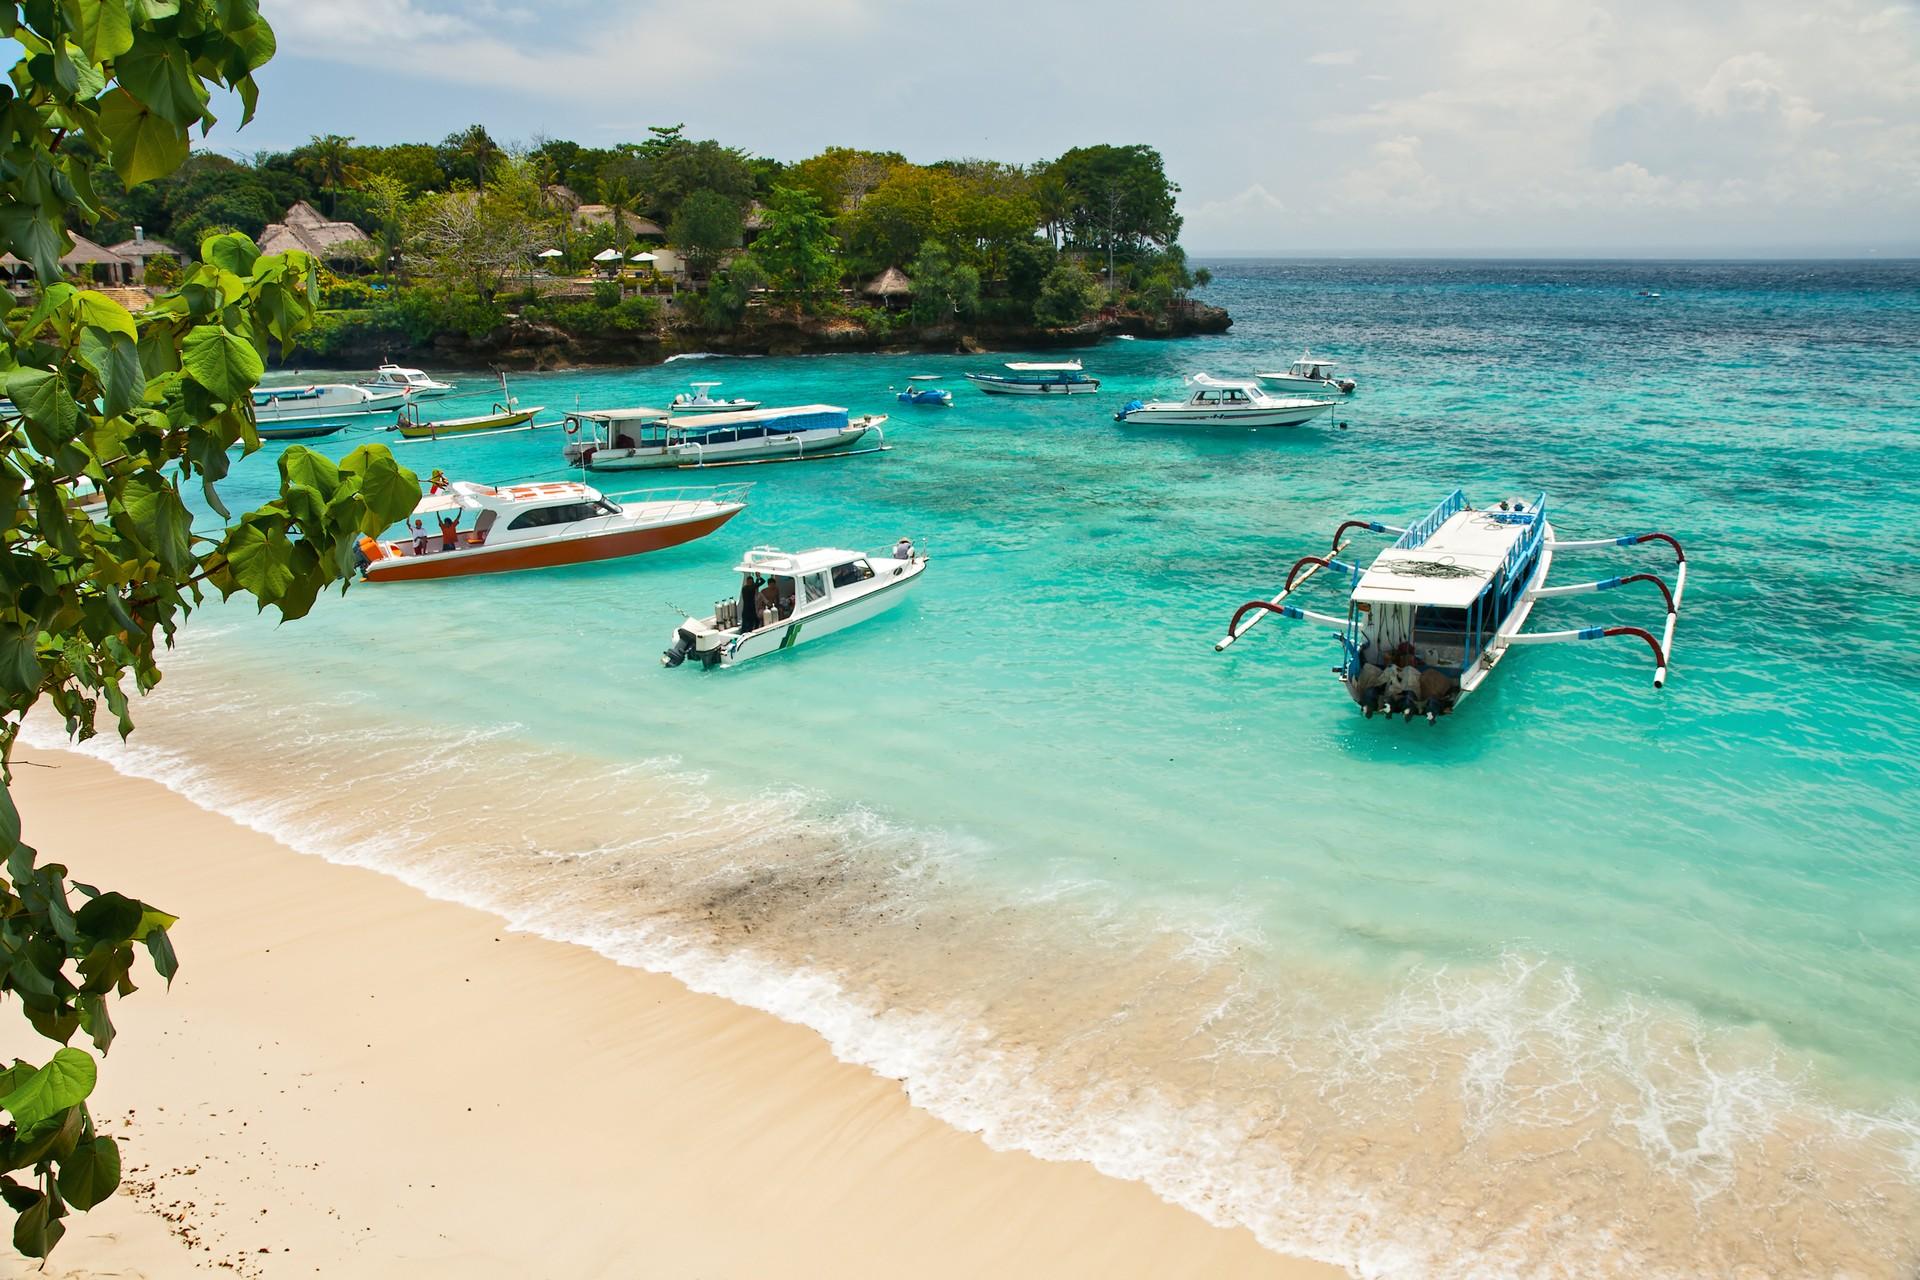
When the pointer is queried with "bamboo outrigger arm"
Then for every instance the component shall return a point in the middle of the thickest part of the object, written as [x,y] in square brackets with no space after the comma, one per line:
[1296,579]
[1663,647]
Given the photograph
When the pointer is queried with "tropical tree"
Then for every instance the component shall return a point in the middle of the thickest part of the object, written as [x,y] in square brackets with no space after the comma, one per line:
[328,162]
[1120,200]
[471,151]
[137,410]
[387,202]
[1067,296]
[797,248]
[473,240]
[943,290]
[706,225]
[725,302]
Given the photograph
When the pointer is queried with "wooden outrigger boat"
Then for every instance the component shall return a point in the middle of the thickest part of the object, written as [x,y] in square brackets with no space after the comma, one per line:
[502,418]
[1430,618]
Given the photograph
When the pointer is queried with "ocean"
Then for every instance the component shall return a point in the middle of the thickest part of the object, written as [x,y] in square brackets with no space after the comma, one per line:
[1588,979]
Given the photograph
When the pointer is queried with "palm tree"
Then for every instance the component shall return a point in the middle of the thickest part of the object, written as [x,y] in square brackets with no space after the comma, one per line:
[327,162]
[477,145]
[1055,199]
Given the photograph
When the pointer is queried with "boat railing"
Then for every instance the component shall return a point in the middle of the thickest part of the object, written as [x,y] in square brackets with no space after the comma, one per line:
[1426,526]
[1519,553]
[686,498]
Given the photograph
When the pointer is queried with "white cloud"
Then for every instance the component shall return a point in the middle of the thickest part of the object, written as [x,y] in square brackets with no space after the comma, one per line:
[1336,58]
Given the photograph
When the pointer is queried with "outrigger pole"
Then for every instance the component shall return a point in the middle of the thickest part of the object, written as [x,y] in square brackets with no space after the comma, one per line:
[1295,580]
[1663,647]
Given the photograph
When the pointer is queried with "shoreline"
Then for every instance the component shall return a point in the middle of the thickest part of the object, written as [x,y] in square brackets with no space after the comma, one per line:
[350,1077]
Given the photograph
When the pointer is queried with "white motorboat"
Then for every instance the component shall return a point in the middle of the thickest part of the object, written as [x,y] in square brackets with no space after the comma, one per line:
[287,413]
[1031,378]
[639,439]
[789,598]
[702,400]
[1223,402]
[1309,374]
[393,377]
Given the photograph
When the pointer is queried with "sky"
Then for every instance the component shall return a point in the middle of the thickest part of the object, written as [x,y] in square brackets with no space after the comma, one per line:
[1515,127]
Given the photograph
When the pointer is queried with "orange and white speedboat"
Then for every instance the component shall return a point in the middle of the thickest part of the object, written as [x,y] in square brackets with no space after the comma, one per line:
[461,528]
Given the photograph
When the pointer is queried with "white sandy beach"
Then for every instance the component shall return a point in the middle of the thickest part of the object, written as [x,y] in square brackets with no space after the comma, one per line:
[349,1078]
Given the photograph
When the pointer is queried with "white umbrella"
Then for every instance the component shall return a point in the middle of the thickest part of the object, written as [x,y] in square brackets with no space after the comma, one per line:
[643,257]
[552,253]
[607,255]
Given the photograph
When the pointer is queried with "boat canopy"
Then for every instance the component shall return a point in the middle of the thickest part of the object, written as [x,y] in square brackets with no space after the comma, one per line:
[1026,366]
[923,377]
[743,417]
[636,414]
[465,495]
[791,563]
[1248,385]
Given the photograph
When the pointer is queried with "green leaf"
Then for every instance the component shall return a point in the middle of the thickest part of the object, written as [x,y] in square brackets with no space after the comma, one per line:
[101,28]
[115,360]
[64,1082]
[20,672]
[222,362]
[142,145]
[96,1021]
[159,75]
[160,520]
[37,1231]
[34,233]
[160,948]
[91,1173]
[111,917]
[103,312]
[300,465]
[230,251]
[262,560]
[41,396]
[390,491]
[150,920]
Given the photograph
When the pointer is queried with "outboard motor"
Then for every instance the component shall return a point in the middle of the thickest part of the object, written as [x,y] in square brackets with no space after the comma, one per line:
[677,651]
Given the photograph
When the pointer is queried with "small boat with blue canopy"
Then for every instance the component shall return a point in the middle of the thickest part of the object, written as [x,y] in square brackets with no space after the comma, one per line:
[1033,378]
[1428,621]
[639,439]
[920,390]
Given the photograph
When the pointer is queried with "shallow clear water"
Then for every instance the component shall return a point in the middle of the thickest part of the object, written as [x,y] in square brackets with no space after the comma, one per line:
[1586,979]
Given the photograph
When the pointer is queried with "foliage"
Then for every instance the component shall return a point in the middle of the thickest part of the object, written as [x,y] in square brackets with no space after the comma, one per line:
[162,271]
[471,154]
[725,303]
[136,409]
[663,171]
[1067,296]
[470,241]
[606,293]
[1117,198]
[943,291]
[329,164]
[590,319]
[409,317]
[841,177]
[706,225]
[797,249]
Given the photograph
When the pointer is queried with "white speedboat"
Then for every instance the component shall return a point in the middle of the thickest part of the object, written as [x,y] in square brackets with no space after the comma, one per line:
[1223,402]
[1031,378]
[702,400]
[285,413]
[640,439]
[789,598]
[393,377]
[1309,374]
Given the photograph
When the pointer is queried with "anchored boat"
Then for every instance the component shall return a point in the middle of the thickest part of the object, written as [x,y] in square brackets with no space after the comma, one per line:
[639,439]
[298,413]
[1223,402]
[502,418]
[541,526]
[702,400]
[1029,378]
[393,377]
[788,598]
[1431,617]
[1310,375]
[920,390]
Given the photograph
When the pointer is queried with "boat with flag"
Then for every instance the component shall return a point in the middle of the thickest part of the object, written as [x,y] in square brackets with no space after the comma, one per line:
[1431,617]
[641,439]
[1037,378]
[460,528]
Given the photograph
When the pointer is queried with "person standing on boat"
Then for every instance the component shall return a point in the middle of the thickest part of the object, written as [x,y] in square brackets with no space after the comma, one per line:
[419,538]
[749,604]
[903,549]
[449,532]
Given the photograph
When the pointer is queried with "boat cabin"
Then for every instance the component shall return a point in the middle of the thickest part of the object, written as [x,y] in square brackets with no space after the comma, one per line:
[779,586]
[659,428]
[1312,367]
[393,375]
[1447,585]
[1214,393]
[1048,372]
[517,511]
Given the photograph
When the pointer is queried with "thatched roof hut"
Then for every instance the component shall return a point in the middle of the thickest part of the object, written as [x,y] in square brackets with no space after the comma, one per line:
[891,286]
[86,261]
[303,228]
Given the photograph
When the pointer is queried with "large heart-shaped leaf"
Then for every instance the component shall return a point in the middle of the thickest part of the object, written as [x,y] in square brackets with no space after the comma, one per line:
[64,1082]
[141,144]
[101,28]
[41,396]
[221,361]
[91,1173]
[161,521]
[115,360]
[262,560]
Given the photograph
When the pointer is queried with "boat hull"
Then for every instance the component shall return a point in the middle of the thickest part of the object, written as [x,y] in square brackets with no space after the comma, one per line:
[299,431]
[465,426]
[1182,416]
[327,408]
[817,626]
[1306,386]
[512,558]
[792,447]
[1000,387]
[394,388]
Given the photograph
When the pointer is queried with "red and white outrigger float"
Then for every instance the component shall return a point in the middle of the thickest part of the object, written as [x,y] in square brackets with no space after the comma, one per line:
[1429,620]
[461,528]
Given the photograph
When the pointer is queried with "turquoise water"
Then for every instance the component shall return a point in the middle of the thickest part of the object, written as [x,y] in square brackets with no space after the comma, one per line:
[1632,971]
